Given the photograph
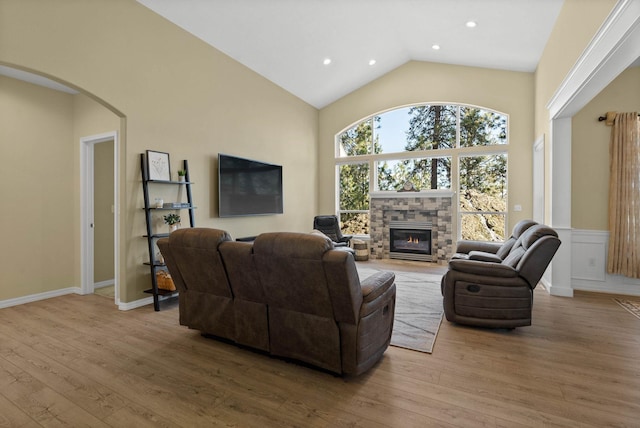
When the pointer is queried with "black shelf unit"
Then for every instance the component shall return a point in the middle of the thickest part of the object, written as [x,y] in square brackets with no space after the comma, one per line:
[154,264]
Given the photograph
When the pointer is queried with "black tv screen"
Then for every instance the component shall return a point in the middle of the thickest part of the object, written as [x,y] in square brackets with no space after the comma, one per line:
[248,187]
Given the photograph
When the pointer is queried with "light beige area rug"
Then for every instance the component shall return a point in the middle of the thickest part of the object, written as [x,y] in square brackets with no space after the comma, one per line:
[633,307]
[418,308]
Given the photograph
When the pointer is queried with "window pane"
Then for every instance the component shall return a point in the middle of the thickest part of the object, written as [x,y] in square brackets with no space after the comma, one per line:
[483,190]
[357,140]
[483,177]
[354,223]
[354,186]
[480,127]
[391,131]
[424,173]
[431,127]
[483,227]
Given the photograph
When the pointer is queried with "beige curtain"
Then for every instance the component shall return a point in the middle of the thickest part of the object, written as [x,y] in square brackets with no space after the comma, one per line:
[624,196]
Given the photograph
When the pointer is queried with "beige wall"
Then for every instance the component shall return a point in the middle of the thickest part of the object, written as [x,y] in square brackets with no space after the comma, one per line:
[37,152]
[590,150]
[578,22]
[40,143]
[176,94]
[103,266]
[422,82]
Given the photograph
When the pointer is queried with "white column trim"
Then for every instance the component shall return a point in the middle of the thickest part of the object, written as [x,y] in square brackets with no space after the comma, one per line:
[614,47]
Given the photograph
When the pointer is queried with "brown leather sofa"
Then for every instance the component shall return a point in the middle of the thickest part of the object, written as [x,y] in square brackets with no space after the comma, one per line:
[484,289]
[289,294]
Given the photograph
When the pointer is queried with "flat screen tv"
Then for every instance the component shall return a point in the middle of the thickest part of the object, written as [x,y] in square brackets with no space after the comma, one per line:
[248,187]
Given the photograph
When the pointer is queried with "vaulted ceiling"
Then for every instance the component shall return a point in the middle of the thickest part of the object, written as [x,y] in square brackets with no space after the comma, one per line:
[288,41]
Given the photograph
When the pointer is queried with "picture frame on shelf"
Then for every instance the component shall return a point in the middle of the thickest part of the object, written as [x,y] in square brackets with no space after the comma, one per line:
[158,166]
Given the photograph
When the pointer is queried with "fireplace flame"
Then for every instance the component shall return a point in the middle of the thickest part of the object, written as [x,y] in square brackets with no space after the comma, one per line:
[413,240]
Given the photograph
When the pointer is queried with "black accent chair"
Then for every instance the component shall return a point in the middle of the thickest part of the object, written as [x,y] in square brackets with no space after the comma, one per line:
[330,226]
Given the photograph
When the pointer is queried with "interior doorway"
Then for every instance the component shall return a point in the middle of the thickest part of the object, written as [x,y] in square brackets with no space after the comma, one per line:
[99,214]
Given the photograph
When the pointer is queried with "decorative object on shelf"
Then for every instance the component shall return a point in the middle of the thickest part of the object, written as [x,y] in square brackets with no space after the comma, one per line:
[158,166]
[164,281]
[173,220]
[181,174]
[176,205]
[159,202]
[408,186]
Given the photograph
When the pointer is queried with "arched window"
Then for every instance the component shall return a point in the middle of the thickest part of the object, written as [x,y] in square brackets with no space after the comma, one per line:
[435,146]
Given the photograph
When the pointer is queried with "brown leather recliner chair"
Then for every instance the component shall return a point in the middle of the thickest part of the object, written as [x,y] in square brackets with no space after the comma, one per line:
[206,300]
[319,310]
[499,294]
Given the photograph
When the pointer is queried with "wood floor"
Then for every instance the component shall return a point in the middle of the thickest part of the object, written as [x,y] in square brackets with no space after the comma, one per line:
[78,361]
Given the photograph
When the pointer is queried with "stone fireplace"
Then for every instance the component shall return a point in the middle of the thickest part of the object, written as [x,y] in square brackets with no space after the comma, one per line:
[427,213]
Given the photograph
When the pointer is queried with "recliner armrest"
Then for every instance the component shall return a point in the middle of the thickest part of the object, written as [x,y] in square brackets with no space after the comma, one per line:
[483,256]
[483,268]
[377,291]
[375,285]
[465,247]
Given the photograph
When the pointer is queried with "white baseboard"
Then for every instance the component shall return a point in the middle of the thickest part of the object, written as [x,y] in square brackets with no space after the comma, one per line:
[135,304]
[73,290]
[106,283]
[614,285]
[559,291]
[40,296]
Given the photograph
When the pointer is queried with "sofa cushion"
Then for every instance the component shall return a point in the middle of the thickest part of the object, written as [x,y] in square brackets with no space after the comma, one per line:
[206,300]
[195,257]
[251,318]
[291,245]
[514,257]
[292,273]
[521,227]
[535,233]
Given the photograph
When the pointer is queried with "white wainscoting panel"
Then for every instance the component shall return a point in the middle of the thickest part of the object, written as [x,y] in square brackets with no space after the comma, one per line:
[589,265]
[589,250]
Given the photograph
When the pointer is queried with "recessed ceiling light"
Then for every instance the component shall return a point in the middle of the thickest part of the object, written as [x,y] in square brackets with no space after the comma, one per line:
[435,47]
[327,61]
[372,62]
[471,24]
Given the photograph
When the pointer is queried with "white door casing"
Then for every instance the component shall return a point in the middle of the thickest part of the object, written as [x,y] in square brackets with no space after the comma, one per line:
[87,210]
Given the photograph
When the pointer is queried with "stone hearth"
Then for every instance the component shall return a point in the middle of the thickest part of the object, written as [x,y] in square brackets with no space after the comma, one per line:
[426,206]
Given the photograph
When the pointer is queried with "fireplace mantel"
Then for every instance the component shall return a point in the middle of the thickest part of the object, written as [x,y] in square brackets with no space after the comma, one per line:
[420,194]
